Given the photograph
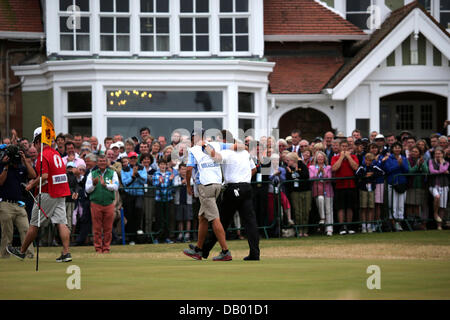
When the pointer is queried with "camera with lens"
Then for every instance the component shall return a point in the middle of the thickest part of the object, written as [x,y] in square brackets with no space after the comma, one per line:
[12,152]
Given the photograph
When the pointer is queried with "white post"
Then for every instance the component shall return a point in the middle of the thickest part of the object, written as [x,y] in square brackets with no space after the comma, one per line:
[374,110]
[232,108]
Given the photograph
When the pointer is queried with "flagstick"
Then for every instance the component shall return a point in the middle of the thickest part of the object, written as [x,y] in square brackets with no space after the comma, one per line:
[39,201]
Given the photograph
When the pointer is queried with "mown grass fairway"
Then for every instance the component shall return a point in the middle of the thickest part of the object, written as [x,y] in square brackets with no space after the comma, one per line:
[414,265]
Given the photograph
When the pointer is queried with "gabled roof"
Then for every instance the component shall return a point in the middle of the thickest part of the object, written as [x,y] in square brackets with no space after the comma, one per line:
[304,17]
[378,36]
[20,16]
[302,75]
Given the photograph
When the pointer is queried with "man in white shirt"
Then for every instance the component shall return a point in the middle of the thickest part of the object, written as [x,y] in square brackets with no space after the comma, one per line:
[238,168]
[205,159]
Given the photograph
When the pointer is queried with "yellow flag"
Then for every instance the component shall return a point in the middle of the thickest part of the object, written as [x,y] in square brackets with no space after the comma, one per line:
[48,131]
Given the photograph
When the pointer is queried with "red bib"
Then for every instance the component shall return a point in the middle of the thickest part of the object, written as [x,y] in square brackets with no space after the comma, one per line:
[57,184]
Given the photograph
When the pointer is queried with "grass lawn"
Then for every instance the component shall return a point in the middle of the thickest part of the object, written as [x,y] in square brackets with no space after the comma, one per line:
[414,265]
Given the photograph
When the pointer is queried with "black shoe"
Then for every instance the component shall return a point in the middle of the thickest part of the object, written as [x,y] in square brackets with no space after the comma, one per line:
[204,254]
[248,258]
[64,257]
[15,252]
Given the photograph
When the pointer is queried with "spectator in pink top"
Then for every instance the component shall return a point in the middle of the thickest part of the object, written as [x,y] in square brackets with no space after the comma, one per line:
[322,191]
[439,184]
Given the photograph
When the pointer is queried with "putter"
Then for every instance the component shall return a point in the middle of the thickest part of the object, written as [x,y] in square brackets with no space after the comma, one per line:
[35,201]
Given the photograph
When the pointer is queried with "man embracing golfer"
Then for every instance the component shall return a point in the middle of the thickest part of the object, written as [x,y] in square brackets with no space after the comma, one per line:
[205,159]
[55,188]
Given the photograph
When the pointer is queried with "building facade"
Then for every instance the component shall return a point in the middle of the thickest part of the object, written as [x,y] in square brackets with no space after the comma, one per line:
[113,66]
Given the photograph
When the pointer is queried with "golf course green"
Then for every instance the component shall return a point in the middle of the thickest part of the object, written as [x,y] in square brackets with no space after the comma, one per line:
[412,265]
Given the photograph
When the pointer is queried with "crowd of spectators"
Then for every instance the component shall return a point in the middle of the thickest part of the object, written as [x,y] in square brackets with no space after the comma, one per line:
[332,184]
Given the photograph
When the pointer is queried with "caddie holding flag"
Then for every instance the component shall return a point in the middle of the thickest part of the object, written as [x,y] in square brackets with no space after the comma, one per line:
[53,188]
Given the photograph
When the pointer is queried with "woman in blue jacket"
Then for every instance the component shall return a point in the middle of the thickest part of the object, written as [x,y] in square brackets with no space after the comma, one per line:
[393,165]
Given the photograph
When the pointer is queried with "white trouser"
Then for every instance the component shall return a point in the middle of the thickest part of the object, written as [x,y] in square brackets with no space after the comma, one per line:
[396,204]
[325,206]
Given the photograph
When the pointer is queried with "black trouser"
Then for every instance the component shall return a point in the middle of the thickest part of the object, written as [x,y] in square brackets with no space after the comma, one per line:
[162,211]
[228,207]
[133,212]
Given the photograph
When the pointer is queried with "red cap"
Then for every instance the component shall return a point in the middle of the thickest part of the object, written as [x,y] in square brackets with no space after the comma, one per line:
[132,154]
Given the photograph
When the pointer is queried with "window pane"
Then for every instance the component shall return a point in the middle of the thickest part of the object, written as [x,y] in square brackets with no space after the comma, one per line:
[226,5]
[359,20]
[162,25]
[66,24]
[226,43]
[202,6]
[201,25]
[241,43]
[445,5]
[246,102]
[226,25]
[186,6]
[129,127]
[162,5]
[123,43]
[202,43]
[241,5]
[170,101]
[186,25]
[147,43]
[66,42]
[106,5]
[146,25]
[122,5]
[106,25]
[242,25]
[186,43]
[84,28]
[123,25]
[162,43]
[83,42]
[64,4]
[445,19]
[83,126]
[79,101]
[246,124]
[107,43]
[146,5]
[357,5]
[82,4]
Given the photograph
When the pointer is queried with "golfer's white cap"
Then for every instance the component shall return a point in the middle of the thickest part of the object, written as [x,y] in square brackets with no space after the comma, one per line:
[37,132]
[379,136]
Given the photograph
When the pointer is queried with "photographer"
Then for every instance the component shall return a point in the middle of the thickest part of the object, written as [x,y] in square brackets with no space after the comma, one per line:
[15,169]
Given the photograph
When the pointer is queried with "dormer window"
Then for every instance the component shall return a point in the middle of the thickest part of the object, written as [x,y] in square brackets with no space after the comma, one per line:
[357,12]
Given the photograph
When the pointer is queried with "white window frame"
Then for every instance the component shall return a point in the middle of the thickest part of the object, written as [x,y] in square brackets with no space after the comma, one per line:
[235,15]
[439,11]
[155,15]
[61,14]
[255,33]
[76,115]
[193,15]
[372,3]
[114,14]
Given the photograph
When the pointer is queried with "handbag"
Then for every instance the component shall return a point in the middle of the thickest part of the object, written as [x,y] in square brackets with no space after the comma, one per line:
[400,188]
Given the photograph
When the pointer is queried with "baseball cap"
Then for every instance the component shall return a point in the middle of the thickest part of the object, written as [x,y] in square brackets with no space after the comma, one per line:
[37,132]
[379,136]
[288,138]
[318,139]
[340,134]
[358,142]
[71,164]
[120,144]
[365,140]
[114,145]
[132,154]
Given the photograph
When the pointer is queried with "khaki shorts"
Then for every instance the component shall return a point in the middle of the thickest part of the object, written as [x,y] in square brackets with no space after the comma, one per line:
[208,196]
[54,208]
[367,199]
